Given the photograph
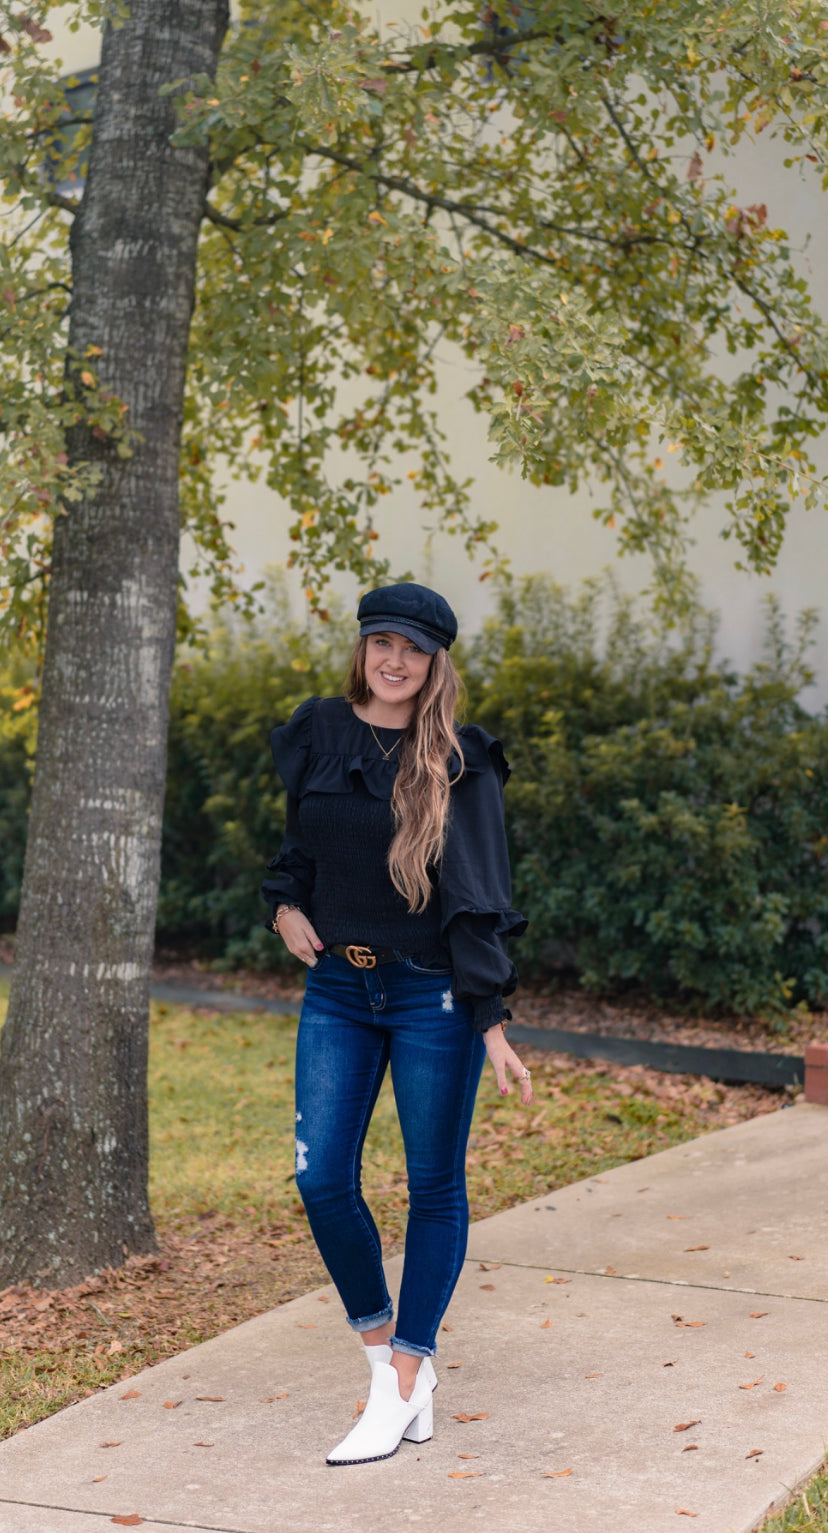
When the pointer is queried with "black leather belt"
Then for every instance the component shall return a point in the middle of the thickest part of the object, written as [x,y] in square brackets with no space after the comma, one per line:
[363,957]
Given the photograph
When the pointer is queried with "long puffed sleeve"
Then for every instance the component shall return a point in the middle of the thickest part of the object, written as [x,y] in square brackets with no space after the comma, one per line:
[293,871]
[475,882]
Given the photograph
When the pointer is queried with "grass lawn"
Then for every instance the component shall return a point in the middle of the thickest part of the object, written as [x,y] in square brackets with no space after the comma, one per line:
[808,1512]
[232,1233]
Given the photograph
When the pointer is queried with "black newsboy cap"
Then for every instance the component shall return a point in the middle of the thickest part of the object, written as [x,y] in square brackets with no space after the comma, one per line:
[414,611]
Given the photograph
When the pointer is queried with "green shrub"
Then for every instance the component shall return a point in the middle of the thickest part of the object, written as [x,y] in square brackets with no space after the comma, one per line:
[224,812]
[667,818]
[18,734]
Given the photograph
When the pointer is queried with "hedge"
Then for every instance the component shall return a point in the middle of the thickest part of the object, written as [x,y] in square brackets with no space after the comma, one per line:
[668,817]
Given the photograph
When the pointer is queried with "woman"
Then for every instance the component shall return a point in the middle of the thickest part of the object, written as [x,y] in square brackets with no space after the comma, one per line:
[392,884]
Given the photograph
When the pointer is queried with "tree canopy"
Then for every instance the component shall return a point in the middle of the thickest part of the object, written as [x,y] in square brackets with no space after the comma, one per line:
[544,185]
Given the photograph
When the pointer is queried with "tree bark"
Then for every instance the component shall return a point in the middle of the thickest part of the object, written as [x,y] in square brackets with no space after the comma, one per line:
[73,1110]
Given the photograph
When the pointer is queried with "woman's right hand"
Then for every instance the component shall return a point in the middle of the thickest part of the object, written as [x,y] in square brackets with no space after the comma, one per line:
[299,936]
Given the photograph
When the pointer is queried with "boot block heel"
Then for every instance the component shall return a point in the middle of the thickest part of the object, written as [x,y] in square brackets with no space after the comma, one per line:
[422,1427]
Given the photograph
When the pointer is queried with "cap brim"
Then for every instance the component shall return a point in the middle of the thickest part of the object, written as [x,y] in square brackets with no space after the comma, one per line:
[424,641]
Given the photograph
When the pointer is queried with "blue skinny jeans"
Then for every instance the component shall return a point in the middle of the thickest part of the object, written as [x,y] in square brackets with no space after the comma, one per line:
[354,1024]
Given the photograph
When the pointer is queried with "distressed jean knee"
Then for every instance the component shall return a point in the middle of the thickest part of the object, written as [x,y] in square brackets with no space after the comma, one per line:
[301,1149]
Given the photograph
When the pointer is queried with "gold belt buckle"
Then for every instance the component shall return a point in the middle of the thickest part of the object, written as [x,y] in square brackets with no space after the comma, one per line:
[361,957]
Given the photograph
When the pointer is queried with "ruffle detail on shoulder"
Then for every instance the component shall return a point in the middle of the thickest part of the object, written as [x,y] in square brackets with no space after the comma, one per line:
[322,750]
[290,744]
[481,752]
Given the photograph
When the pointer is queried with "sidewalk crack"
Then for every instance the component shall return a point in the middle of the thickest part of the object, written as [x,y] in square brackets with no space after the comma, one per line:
[636,1277]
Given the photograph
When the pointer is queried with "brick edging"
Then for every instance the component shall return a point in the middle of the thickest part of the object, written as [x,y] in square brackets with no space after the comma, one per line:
[816,1073]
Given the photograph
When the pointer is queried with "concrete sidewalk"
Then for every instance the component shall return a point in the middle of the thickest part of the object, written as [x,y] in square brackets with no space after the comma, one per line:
[628,1345]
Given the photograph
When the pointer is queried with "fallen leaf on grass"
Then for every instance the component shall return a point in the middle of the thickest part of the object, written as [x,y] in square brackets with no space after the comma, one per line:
[546,1325]
[171,1405]
[211,1399]
[684,1426]
[755,1453]
[132,1394]
[780,1387]
[691,1448]
[132,1521]
[489,1266]
[758,1314]
[697,1248]
[476,1416]
[268,1399]
[487,1287]
[557,1474]
[754,1383]
[593,1375]
[464,1474]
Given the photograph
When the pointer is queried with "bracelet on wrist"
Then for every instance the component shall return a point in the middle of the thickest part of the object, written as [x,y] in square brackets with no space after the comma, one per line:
[282,910]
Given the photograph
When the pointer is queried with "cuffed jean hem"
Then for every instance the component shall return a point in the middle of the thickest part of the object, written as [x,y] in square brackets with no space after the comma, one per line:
[370,1322]
[409,1347]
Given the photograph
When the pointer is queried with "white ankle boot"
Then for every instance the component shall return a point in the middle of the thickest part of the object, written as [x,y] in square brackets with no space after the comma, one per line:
[383,1354]
[387,1419]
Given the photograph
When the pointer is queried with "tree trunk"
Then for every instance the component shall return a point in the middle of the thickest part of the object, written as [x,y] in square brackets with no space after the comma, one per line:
[73,1112]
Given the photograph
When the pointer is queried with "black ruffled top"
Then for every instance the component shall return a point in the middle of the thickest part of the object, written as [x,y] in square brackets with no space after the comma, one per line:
[333,860]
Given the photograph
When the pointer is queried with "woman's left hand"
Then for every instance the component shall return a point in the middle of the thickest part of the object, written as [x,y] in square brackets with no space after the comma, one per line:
[503,1058]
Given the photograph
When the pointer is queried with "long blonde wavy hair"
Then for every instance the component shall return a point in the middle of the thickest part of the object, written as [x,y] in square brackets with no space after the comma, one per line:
[420,800]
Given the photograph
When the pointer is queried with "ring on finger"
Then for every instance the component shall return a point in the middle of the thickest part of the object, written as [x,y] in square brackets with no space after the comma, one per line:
[527,1075]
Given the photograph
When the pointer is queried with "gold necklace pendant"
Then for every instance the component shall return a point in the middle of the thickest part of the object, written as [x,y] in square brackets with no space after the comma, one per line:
[386,754]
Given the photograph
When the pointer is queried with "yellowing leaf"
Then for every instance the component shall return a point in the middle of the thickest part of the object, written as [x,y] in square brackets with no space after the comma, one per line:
[376,218]
[88,378]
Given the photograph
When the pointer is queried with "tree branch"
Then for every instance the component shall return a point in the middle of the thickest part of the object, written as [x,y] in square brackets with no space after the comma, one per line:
[761,303]
[56,200]
[224,222]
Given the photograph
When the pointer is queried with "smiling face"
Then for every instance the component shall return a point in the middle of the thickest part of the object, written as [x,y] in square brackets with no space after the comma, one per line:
[395,671]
